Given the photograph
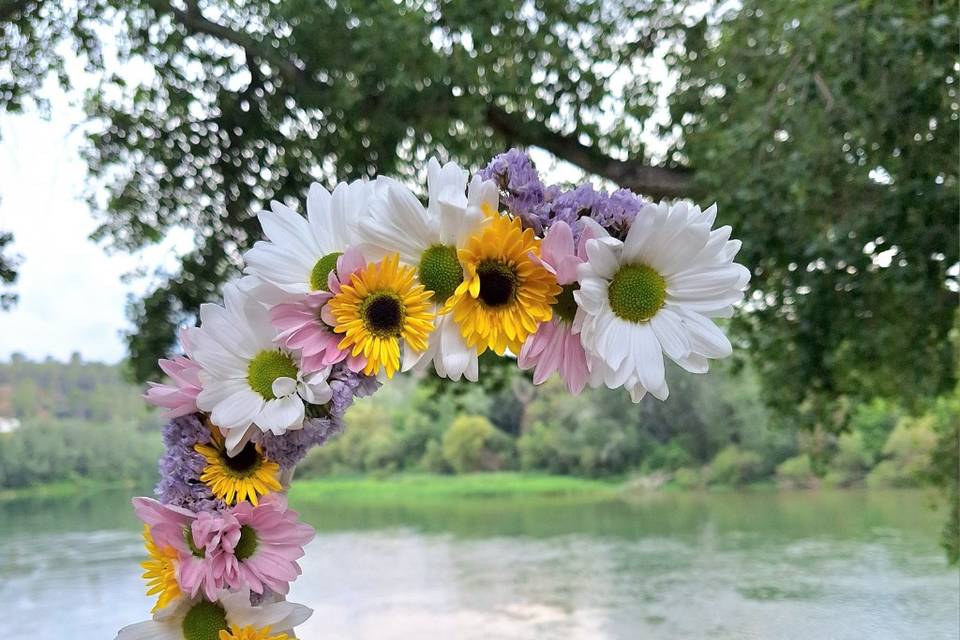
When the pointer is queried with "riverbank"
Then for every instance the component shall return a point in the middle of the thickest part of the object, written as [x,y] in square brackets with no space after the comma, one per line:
[371,488]
[65,489]
[425,486]
[432,486]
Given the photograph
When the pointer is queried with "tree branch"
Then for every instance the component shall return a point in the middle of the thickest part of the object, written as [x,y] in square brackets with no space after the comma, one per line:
[655,182]
[194,21]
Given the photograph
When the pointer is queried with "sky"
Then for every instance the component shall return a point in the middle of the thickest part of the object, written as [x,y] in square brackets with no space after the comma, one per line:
[72,294]
[72,297]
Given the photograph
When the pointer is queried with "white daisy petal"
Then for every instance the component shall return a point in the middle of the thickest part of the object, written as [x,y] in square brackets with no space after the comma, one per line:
[296,244]
[215,390]
[236,439]
[317,391]
[643,225]
[284,227]
[280,414]
[274,265]
[456,356]
[706,338]
[603,263]
[648,355]
[238,410]
[318,213]
[151,630]
[669,329]
[284,386]
[694,363]
[626,347]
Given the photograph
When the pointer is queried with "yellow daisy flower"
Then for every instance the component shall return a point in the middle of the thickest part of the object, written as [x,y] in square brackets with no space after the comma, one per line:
[381,305]
[160,572]
[505,293]
[245,476]
[249,633]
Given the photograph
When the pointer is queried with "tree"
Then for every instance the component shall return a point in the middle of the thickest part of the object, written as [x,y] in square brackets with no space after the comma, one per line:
[829,132]
[8,272]
[826,130]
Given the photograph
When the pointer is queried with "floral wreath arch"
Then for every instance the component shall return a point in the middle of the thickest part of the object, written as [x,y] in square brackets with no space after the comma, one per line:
[591,285]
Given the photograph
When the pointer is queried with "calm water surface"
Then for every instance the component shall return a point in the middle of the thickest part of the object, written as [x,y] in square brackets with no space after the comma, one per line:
[825,565]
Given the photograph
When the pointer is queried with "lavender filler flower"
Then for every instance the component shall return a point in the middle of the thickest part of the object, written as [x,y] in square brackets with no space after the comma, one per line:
[539,206]
[521,190]
[181,465]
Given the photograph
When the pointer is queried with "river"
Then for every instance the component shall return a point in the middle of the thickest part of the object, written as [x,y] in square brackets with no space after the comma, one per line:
[793,565]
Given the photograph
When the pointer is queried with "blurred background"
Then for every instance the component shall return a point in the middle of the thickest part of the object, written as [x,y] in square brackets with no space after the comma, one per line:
[807,488]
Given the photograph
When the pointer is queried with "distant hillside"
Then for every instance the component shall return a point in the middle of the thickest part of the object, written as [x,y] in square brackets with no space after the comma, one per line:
[77,390]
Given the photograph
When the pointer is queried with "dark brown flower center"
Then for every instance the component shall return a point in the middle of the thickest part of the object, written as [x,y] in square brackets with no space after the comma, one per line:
[383,314]
[498,283]
[246,459]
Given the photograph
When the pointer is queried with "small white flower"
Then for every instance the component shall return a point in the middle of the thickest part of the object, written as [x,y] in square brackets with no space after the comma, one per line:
[428,238]
[655,293]
[191,618]
[247,381]
[301,251]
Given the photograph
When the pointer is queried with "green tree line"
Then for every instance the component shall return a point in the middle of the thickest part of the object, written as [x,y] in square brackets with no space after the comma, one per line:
[825,129]
[74,422]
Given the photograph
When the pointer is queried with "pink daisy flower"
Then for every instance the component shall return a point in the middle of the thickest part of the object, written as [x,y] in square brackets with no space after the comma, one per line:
[263,549]
[556,347]
[179,398]
[197,539]
[302,327]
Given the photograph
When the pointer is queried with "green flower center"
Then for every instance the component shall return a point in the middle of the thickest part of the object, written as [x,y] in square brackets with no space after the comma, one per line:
[204,621]
[266,367]
[188,538]
[247,543]
[637,292]
[566,307]
[318,276]
[382,313]
[247,460]
[498,283]
[440,271]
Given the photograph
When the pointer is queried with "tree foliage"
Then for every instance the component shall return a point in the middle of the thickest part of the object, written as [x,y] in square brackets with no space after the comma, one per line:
[826,131]
[8,272]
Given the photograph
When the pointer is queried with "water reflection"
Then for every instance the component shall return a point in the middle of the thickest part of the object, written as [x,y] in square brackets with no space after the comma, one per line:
[761,565]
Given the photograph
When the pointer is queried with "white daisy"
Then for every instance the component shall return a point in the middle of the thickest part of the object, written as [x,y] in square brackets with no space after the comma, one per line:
[301,251]
[428,238]
[232,613]
[247,381]
[655,293]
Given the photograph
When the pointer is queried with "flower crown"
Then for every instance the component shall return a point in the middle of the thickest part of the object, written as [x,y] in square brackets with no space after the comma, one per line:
[594,286]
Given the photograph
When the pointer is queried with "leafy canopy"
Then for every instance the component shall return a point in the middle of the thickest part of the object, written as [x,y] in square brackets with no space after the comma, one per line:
[826,131]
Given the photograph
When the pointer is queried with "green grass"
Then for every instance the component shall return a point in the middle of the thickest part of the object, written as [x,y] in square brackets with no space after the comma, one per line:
[64,489]
[425,486]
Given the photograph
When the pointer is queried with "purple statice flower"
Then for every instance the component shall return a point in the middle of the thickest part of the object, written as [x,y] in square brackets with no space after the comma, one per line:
[348,386]
[521,190]
[288,449]
[538,206]
[571,205]
[619,212]
[181,466]
[613,211]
